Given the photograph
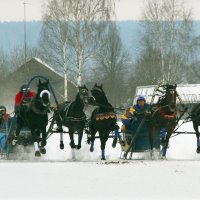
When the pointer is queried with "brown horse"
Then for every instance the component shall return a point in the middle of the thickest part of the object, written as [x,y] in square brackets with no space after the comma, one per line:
[163,117]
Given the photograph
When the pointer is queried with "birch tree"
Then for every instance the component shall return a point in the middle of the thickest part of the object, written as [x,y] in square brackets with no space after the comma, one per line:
[168,27]
[71,32]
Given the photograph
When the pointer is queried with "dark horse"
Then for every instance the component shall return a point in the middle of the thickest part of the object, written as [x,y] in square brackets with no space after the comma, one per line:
[195,117]
[35,117]
[71,115]
[103,119]
[163,117]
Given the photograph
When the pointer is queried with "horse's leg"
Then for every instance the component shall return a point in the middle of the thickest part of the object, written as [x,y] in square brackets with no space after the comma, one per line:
[59,129]
[163,142]
[71,135]
[116,135]
[195,126]
[20,124]
[168,135]
[150,135]
[163,137]
[80,136]
[61,141]
[72,144]
[35,136]
[43,142]
[92,138]
[103,139]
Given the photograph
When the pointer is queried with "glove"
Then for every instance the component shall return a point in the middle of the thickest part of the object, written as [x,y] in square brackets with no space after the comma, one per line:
[147,113]
[129,115]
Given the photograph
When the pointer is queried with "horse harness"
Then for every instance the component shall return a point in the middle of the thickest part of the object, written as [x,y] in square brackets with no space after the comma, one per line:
[164,114]
[107,115]
[66,111]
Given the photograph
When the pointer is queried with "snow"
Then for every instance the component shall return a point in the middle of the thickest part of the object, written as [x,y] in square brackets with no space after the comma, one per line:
[57,176]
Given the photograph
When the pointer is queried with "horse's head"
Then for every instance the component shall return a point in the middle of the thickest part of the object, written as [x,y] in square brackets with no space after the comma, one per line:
[97,93]
[43,93]
[170,97]
[83,93]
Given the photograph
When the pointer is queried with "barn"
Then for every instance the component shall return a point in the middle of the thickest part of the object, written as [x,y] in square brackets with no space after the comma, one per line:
[10,85]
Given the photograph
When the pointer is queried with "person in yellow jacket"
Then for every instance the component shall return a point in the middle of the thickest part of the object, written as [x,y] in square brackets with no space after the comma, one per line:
[126,119]
[132,117]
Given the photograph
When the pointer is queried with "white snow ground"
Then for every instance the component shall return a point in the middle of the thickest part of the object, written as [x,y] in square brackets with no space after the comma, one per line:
[57,176]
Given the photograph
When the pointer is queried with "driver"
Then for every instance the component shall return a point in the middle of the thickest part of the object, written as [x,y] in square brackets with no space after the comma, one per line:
[26,98]
[21,106]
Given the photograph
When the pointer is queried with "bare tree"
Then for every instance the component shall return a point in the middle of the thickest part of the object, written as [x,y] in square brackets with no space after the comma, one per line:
[111,65]
[168,27]
[70,33]
[4,66]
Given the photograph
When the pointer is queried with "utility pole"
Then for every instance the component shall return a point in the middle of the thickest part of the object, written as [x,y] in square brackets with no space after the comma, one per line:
[25,33]
[25,44]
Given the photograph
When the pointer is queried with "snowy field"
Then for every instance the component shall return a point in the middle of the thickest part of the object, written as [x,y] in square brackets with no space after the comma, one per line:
[56,176]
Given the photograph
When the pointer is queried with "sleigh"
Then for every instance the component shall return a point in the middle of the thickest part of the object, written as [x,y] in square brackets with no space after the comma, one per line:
[136,141]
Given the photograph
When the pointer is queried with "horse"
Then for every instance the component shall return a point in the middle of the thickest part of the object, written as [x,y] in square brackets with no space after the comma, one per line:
[71,115]
[163,117]
[195,117]
[35,117]
[103,119]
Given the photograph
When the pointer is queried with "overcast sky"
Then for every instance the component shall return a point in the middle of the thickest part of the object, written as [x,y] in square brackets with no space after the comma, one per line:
[13,10]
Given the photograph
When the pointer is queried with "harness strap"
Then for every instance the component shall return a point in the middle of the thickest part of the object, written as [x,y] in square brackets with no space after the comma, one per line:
[108,115]
[36,110]
[74,119]
[168,117]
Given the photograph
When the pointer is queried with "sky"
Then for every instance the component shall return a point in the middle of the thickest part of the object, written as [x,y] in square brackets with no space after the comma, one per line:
[13,10]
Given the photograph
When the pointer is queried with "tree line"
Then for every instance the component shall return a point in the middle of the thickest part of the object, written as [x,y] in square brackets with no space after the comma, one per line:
[80,39]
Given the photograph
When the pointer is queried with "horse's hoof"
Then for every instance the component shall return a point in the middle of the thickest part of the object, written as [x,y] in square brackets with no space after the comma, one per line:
[114,143]
[14,141]
[78,146]
[72,145]
[43,143]
[42,150]
[163,158]
[103,158]
[37,154]
[198,149]
[61,146]
[91,149]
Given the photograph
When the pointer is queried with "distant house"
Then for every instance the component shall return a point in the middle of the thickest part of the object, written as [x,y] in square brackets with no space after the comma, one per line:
[189,93]
[10,85]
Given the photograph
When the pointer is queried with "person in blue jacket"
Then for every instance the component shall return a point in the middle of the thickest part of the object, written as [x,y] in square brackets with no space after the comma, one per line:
[132,118]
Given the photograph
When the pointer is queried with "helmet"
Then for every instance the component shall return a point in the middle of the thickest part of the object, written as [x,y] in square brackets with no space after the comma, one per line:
[23,88]
[2,110]
[141,98]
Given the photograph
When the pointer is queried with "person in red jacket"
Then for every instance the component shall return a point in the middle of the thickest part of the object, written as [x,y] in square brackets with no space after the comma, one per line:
[26,98]
[22,101]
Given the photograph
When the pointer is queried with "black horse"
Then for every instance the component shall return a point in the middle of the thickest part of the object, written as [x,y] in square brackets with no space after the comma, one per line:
[71,115]
[195,117]
[103,119]
[35,117]
[163,117]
